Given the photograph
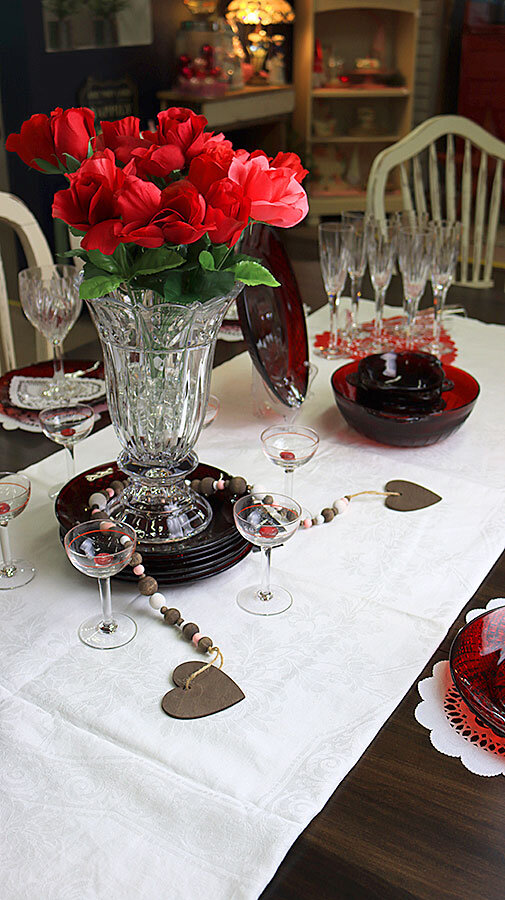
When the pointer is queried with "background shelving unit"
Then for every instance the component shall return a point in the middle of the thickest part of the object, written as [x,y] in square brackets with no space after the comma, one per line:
[326,116]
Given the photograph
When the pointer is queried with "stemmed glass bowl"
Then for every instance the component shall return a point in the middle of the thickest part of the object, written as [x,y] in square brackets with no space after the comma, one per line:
[14,495]
[266,520]
[66,425]
[290,447]
[101,549]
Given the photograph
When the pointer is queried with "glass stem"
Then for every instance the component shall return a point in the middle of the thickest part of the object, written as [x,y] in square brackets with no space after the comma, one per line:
[410,310]
[70,458]
[8,569]
[288,482]
[439,295]
[334,303]
[107,624]
[59,375]
[380,297]
[356,296]
[264,592]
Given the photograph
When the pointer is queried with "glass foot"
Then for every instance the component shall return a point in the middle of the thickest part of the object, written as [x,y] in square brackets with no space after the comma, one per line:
[92,633]
[55,490]
[16,574]
[250,600]
[329,353]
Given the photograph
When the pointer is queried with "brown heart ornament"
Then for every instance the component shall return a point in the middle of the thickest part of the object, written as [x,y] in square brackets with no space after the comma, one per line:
[209,693]
[410,496]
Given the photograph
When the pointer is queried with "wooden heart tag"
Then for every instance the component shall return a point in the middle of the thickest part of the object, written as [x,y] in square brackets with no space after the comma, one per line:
[410,496]
[209,693]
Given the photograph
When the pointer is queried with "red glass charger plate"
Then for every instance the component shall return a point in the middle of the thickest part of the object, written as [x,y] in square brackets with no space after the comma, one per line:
[404,430]
[477,662]
[44,370]
[217,548]
[273,321]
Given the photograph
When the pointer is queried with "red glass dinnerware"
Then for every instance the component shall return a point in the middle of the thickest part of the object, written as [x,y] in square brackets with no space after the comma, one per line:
[477,667]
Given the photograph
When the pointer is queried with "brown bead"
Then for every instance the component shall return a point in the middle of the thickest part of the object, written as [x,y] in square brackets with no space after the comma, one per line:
[268,499]
[204,644]
[328,514]
[163,610]
[237,485]
[314,520]
[117,486]
[135,560]
[195,485]
[207,486]
[100,516]
[290,515]
[180,620]
[171,616]
[147,585]
[189,630]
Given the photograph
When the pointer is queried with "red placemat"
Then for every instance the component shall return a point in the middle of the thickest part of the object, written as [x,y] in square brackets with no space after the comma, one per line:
[396,341]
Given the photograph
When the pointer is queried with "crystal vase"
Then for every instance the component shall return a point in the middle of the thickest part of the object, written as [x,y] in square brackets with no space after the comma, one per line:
[158,361]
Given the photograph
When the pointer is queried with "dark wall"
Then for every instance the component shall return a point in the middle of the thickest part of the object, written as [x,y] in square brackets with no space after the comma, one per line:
[35,81]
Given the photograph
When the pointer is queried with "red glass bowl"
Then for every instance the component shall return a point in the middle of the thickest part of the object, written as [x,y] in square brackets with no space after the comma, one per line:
[477,661]
[398,430]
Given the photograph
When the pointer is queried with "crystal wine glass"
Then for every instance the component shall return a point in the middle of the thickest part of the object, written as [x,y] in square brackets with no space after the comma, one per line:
[446,240]
[381,247]
[14,495]
[102,549]
[66,425]
[356,265]
[289,446]
[49,296]
[266,520]
[415,257]
[334,241]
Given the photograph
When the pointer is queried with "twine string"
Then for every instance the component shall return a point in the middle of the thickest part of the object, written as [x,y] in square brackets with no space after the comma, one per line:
[218,655]
[377,494]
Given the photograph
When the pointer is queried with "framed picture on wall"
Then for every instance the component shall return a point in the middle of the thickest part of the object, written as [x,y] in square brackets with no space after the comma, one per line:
[88,24]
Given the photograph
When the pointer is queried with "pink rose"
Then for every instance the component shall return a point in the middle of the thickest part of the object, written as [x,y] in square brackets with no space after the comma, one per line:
[277,198]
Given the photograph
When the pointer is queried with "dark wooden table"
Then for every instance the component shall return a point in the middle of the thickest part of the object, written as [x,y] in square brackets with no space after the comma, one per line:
[407,822]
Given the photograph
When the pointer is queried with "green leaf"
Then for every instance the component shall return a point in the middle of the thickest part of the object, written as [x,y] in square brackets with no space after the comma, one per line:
[157,260]
[47,167]
[82,254]
[98,286]
[72,163]
[102,261]
[206,261]
[74,231]
[250,272]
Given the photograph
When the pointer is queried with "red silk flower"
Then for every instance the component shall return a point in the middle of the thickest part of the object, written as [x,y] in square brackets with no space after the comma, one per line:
[209,167]
[121,136]
[49,138]
[290,161]
[152,217]
[228,212]
[155,162]
[181,127]
[90,203]
[277,198]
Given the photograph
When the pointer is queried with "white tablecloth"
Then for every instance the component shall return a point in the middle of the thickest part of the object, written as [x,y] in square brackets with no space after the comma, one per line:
[104,796]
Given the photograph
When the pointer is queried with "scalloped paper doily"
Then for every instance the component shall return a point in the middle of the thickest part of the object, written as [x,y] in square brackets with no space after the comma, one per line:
[454,729]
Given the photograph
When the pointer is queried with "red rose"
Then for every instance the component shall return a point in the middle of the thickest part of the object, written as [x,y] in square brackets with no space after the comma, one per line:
[90,204]
[290,161]
[209,167]
[155,162]
[35,141]
[212,141]
[276,196]
[228,212]
[181,127]
[121,136]
[66,131]
[152,217]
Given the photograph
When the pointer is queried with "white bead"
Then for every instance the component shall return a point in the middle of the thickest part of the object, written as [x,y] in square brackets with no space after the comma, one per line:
[257,489]
[98,500]
[157,600]
[125,540]
[319,519]
[340,506]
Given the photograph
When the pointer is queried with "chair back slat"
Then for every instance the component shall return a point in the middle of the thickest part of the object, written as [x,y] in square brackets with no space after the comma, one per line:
[419,186]
[494,215]
[450,180]
[466,206]
[6,336]
[434,183]
[406,195]
[480,210]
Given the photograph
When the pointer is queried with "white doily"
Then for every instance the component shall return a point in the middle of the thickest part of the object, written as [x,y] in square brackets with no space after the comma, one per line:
[28,393]
[454,729]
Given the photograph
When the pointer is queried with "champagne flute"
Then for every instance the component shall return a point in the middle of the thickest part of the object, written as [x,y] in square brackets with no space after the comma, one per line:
[50,300]
[66,425]
[101,549]
[14,495]
[266,520]
[357,264]
[381,247]
[446,240]
[334,242]
[415,257]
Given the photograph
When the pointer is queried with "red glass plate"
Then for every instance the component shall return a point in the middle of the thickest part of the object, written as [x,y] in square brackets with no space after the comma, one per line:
[477,661]
[407,430]
[44,370]
[273,321]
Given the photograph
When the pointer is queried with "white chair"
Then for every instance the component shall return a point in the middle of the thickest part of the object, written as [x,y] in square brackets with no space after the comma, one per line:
[15,213]
[479,218]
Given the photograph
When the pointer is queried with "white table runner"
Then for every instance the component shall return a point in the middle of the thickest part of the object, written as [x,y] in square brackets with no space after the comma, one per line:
[104,796]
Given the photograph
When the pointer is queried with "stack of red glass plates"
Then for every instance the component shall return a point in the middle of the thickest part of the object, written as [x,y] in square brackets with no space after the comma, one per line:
[214,550]
[477,661]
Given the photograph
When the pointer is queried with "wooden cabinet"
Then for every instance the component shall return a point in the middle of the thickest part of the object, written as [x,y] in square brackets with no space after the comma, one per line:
[346,113]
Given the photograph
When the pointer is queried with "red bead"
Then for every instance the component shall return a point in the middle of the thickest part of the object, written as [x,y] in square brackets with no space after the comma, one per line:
[268,531]
[287,454]
[67,432]
[103,559]
[4,508]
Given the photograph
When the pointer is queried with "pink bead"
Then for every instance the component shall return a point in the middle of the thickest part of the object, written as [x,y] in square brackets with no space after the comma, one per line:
[307,523]
[110,492]
[220,484]
[138,570]
[196,637]
[106,526]
[95,511]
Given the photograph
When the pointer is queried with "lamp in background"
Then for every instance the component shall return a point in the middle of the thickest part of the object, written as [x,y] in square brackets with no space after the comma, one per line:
[201,7]
[260,13]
